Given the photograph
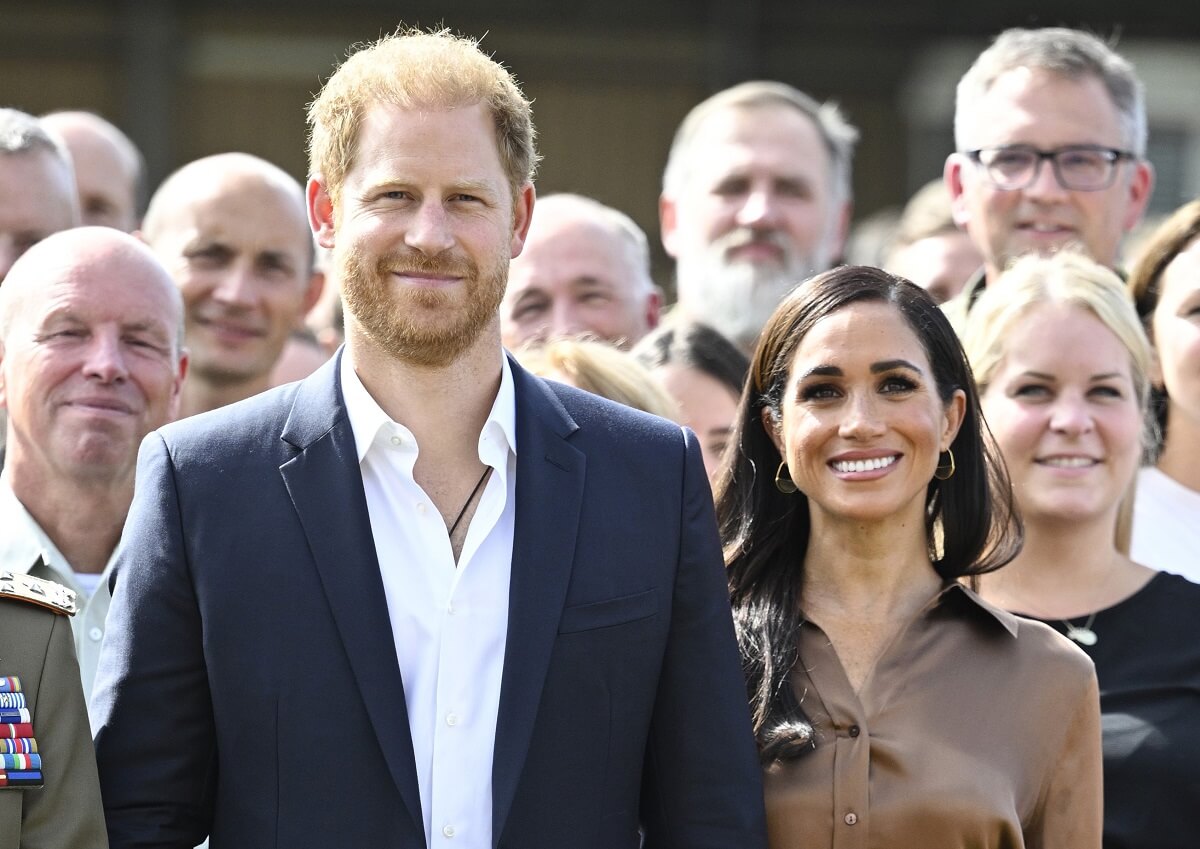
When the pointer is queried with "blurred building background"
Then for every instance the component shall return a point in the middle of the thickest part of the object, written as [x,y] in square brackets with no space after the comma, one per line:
[610,80]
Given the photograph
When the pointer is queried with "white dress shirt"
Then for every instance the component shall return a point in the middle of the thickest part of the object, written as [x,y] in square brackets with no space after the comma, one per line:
[449,621]
[22,542]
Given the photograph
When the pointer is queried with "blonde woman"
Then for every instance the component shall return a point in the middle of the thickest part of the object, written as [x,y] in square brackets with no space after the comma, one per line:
[601,369]
[1063,369]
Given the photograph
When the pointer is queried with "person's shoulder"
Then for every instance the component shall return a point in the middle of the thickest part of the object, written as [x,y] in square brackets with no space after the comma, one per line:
[35,596]
[590,410]
[1052,654]
[237,428]
[1173,591]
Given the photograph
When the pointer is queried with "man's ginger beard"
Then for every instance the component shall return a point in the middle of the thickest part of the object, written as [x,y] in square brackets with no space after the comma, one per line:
[380,305]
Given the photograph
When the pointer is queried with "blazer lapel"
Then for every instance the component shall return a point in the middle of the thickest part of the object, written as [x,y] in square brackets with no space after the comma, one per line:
[549,495]
[326,488]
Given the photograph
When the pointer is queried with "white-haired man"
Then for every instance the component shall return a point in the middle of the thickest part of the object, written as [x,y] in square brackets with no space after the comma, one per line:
[756,198]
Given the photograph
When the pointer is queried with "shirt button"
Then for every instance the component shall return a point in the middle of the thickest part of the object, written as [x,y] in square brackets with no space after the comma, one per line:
[95,634]
[448,830]
[396,440]
[421,508]
[853,730]
[452,719]
[851,818]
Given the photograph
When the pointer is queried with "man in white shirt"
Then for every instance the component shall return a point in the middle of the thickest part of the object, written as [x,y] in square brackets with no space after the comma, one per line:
[423,598]
[90,362]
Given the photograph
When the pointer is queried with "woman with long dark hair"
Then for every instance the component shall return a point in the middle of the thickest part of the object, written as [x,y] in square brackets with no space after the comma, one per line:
[892,706]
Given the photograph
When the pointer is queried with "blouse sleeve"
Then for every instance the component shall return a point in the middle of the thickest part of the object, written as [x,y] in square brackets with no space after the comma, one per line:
[1070,812]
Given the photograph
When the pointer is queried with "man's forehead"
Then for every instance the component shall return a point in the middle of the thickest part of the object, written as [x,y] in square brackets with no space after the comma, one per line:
[255,216]
[1043,107]
[778,139]
[36,183]
[121,292]
[560,249]
[389,142]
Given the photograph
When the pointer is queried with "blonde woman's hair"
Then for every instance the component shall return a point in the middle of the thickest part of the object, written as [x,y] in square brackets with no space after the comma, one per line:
[1064,278]
[411,69]
[601,369]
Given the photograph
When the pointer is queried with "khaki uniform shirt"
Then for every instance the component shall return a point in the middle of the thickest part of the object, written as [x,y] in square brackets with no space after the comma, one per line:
[35,645]
[22,544]
[977,729]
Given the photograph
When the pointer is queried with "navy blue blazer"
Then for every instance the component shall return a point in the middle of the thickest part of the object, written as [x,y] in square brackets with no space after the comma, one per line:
[249,686]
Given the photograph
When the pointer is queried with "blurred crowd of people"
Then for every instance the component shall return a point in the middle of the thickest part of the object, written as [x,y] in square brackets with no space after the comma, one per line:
[956,495]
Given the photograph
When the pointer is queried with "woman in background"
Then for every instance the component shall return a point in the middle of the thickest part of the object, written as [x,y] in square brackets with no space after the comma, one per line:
[894,708]
[1063,366]
[704,373]
[1165,285]
[601,369]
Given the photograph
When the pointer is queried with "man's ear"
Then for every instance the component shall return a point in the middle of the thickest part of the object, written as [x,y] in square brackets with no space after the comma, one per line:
[320,211]
[668,225]
[522,216]
[1141,186]
[177,387]
[952,176]
[654,302]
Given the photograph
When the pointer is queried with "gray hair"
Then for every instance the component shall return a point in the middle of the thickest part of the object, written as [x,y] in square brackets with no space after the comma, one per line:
[613,220]
[836,132]
[20,132]
[1071,53]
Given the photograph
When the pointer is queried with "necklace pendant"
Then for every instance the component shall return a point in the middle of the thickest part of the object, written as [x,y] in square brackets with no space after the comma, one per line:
[1083,635]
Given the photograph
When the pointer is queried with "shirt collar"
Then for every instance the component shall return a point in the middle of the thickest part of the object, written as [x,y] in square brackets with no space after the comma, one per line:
[496,440]
[23,542]
[969,599]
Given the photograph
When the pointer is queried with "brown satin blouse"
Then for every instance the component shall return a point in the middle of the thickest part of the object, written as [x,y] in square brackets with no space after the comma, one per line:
[977,729]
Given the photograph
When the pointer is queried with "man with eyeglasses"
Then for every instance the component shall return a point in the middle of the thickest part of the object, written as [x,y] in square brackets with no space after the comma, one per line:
[1050,130]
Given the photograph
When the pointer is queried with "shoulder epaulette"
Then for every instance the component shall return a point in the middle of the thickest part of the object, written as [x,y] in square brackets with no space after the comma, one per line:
[37,591]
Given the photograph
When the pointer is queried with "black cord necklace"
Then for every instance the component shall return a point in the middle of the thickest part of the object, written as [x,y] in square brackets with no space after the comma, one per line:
[470,498]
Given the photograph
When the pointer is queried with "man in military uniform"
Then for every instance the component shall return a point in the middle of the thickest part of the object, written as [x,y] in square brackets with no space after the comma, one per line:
[49,792]
[90,362]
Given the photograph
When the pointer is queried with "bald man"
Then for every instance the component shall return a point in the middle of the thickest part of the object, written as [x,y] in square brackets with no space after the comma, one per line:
[232,229]
[109,169]
[585,270]
[90,362]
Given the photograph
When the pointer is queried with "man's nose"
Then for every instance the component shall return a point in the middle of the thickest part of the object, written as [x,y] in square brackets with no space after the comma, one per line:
[759,210]
[105,358]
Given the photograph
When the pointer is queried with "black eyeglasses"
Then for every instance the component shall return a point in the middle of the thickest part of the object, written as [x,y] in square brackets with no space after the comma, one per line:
[1081,167]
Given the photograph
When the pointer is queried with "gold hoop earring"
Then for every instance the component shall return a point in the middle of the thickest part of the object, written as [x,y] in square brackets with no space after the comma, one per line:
[783,480]
[945,470]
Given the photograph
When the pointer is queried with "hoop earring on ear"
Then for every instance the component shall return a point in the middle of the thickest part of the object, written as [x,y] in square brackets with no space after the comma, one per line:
[945,470]
[783,480]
